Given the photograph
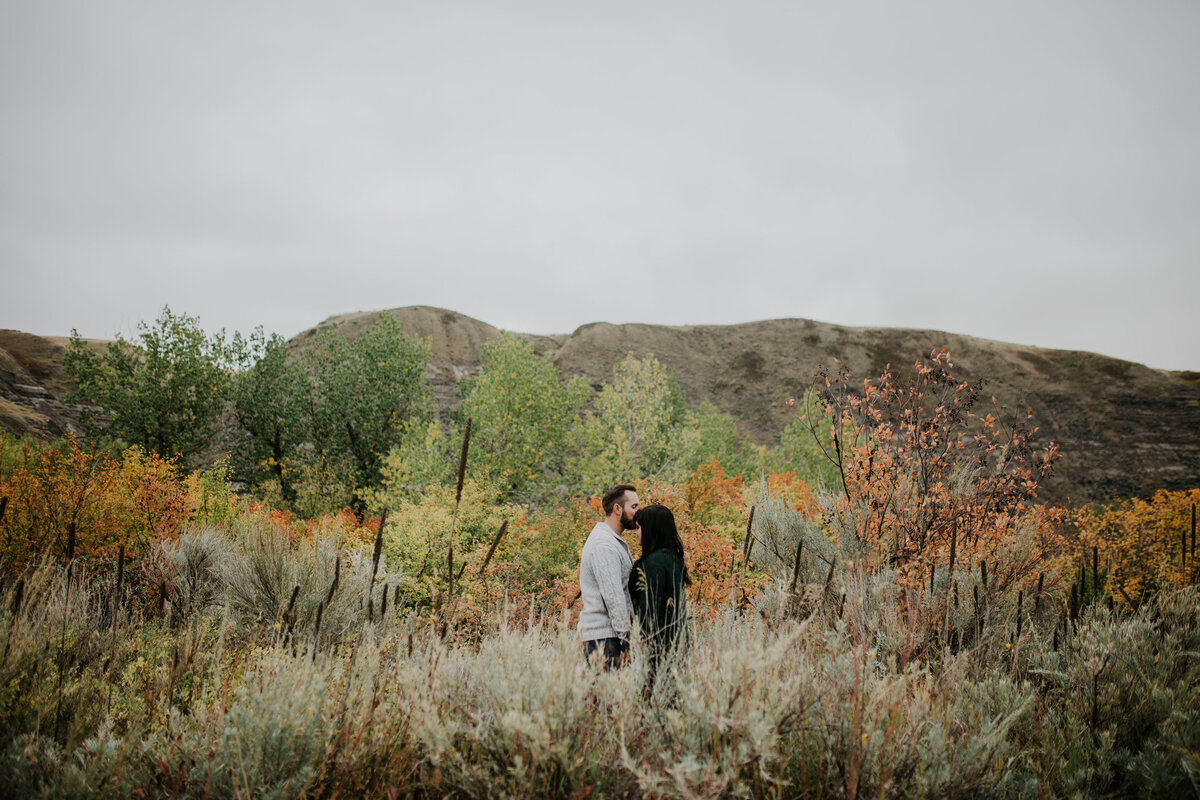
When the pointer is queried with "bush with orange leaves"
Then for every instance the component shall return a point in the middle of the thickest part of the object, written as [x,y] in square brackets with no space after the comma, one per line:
[925,479]
[342,525]
[796,492]
[66,502]
[711,496]
[710,512]
[1142,544]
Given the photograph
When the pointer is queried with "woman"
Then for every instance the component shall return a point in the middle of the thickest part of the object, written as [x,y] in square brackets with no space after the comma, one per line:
[656,584]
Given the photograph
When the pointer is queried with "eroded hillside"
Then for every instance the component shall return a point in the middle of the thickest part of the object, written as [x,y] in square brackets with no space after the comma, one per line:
[1124,428]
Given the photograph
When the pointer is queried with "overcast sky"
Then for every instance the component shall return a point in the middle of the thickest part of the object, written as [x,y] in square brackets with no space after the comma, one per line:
[1020,171]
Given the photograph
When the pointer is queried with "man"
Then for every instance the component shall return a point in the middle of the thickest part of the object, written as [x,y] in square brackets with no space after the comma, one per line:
[604,579]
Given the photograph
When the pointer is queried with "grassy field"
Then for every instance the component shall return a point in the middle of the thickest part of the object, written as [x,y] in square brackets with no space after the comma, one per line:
[841,689]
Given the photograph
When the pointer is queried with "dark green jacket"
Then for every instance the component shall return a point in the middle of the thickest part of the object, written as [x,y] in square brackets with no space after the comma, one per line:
[659,605]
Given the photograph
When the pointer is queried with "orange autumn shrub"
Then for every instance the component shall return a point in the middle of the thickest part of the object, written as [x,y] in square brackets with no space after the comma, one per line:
[796,492]
[711,496]
[277,519]
[66,502]
[1142,544]
[923,474]
[59,501]
[344,524]
[152,502]
[708,533]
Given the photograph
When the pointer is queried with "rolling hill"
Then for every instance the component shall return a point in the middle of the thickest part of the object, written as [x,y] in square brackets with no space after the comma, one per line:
[1124,428]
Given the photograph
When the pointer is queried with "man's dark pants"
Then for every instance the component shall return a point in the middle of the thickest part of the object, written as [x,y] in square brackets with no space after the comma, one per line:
[614,650]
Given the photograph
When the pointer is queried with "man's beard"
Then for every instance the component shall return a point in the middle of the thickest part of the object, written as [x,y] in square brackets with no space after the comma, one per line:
[627,523]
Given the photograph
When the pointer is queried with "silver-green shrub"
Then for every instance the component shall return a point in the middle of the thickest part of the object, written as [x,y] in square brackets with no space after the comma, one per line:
[266,568]
[192,567]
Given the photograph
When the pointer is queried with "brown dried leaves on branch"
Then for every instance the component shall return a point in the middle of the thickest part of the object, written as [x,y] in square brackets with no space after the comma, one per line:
[924,472]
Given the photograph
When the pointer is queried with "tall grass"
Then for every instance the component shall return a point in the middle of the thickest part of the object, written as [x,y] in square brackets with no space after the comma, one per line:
[845,687]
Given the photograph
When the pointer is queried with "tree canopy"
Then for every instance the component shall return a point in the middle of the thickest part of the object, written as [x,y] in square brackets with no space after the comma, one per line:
[523,414]
[162,391]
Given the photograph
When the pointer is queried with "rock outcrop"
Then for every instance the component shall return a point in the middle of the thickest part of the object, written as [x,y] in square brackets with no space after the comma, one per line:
[33,386]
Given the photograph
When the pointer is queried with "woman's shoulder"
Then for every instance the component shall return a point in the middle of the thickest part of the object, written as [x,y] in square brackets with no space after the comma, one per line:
[661,559]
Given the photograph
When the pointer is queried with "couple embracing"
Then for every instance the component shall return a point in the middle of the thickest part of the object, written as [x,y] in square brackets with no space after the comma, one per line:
[619,592]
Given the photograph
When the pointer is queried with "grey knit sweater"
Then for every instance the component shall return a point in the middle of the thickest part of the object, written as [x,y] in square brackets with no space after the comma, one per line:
[603,581]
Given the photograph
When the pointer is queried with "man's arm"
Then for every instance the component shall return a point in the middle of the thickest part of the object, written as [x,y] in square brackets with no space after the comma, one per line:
[611,577]
[639,594]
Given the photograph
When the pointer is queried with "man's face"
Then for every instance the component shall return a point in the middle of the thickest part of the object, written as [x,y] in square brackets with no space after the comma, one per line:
[629,507]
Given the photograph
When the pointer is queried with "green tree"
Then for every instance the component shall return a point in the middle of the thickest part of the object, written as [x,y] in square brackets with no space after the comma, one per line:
[426,458]
[636,428]
[806,444]
[272,401]
[715,438]
[163,391]
[366,394]
[523,413]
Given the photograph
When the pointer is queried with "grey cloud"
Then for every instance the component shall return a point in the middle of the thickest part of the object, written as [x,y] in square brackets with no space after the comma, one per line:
[1022,171]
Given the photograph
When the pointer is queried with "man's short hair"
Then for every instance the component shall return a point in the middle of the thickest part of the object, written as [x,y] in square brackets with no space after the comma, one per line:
[616,495]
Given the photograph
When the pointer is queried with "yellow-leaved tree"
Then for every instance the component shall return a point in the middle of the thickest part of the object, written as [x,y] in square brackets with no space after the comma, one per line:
[522,413]
[636,428]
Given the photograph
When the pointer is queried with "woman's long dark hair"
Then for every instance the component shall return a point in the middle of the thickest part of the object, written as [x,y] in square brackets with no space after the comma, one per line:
[659,533]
